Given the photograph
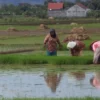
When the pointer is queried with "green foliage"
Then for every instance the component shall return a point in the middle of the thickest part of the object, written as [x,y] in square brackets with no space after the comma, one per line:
[94,4]
[25,9]
[31,18]
[40,11]
[94,13]
[33,59]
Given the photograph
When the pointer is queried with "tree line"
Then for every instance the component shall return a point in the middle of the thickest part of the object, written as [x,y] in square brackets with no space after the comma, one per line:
[40,11]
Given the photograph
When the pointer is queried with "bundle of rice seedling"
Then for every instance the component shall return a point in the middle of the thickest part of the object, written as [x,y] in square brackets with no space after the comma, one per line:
[52,18]
[42,26]
[74,30]
[78,33]
[71,37]
[12,29]
[78,30]
[73,24]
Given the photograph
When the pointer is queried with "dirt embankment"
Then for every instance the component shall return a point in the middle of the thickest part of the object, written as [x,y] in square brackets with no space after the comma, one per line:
[42,32]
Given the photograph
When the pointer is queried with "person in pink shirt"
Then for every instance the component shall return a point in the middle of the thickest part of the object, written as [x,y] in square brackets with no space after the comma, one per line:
[95,47]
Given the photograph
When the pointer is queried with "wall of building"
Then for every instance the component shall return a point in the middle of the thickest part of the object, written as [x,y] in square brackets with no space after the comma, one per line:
[57,13]
[75,11]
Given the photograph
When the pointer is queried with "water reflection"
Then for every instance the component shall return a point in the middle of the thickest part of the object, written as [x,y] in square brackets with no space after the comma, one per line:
[52,80]
[38,84]
[95,80]
[78,75]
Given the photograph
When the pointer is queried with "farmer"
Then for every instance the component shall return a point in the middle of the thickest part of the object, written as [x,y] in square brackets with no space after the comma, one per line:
[95,47]
[50,42]
[95,80]
[75,47]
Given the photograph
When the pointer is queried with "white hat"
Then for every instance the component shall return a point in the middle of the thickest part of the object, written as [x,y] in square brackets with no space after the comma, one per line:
[71,45]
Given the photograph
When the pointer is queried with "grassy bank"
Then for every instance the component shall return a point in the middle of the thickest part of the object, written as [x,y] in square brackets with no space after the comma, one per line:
[56,26]
[33,59]
[49,67]
[87,98]
[23,20]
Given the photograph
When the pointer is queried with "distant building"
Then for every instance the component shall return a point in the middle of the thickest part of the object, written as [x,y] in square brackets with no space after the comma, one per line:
[55,6]
[57,10]
[78,10]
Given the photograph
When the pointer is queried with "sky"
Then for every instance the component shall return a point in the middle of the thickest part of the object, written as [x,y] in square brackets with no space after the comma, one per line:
[21,1]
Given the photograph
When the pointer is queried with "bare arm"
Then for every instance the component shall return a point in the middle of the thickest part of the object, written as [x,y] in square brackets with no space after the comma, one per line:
[58,41]
[46,39]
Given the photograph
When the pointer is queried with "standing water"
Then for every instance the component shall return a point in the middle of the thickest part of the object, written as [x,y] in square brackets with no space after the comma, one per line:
[38,84]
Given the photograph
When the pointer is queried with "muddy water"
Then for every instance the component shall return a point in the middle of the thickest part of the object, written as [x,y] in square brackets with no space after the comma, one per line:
[49,84]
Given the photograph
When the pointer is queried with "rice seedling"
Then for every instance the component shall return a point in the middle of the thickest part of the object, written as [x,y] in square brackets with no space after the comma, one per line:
[37,42]
[38,59]
[63,26]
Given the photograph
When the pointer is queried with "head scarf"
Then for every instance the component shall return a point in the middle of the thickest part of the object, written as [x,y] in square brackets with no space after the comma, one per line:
[71,45]
[95,45]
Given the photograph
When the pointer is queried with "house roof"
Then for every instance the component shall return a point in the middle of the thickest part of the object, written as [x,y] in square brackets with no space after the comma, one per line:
[81,5]
[55,6]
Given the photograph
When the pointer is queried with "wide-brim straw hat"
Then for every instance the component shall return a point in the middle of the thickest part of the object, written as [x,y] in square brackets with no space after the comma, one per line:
[71,45]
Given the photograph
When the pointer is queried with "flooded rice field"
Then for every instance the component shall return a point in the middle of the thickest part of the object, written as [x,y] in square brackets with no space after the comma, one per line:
[44,83]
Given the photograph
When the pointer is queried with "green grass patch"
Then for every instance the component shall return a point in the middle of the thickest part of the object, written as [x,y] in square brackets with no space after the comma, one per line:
[56,26]
[86,98]
[22,40]
[68,26]
[37,41]
[56,60]
[19,27]
[50,68]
